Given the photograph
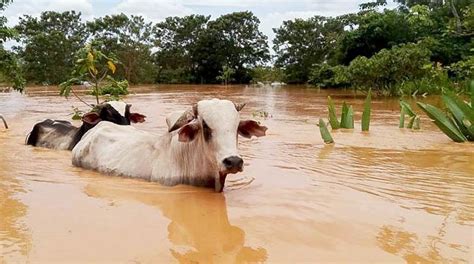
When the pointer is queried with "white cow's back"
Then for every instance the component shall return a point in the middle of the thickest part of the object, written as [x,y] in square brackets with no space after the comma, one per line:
[114,149]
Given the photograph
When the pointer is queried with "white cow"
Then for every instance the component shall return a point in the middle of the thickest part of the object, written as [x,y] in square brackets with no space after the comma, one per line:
[200,147]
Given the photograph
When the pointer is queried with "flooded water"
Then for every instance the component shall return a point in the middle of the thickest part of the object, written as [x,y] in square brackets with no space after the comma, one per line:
[390,195]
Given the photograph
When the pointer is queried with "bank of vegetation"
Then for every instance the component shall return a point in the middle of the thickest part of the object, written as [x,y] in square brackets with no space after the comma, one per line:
[422,46]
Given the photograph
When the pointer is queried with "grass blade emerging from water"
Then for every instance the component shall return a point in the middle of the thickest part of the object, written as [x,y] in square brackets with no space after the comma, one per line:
[402,118]
[345,109]
[332,114]
[366,113]
[443,122]
[323,129]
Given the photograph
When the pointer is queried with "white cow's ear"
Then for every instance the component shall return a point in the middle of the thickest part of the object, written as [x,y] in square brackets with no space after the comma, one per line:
[136,118]
[91,118]
[249,128]
[189,131]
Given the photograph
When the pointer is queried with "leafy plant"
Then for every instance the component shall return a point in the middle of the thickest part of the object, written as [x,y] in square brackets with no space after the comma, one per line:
[94,67]
[332,114]
[226,74]
[458,122]
[406,110]
[347,116]
[323,129]
[366,114]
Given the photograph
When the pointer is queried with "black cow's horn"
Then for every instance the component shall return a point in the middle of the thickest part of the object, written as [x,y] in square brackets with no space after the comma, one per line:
[239,107]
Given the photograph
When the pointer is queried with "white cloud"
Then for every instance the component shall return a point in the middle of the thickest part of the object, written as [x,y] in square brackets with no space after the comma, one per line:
[35,7]
[153,10]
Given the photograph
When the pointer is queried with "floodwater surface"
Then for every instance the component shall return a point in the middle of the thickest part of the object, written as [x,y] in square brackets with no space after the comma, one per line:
[390,195]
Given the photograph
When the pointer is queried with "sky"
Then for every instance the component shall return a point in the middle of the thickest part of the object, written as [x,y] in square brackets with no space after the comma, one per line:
[270,12]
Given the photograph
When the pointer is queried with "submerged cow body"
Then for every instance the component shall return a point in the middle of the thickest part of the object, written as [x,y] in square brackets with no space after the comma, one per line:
[60,134]
[200,147]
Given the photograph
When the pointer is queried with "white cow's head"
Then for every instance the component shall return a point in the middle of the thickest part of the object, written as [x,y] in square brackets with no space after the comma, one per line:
[218,123]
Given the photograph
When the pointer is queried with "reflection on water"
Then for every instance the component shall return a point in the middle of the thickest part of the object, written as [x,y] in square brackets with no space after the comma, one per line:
[389,195]
[14,235]
[199,229]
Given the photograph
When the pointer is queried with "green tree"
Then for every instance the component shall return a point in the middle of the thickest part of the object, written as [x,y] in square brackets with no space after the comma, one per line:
[129,38]
[300,44]
[240,43]
[50,43]
[373,32]
[10,70]
[176,39]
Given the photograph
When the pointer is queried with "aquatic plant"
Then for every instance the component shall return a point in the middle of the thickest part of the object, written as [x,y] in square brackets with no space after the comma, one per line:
[332,114]
[458,122]
[366,114]
[406,110]
[323,129]
[347,115]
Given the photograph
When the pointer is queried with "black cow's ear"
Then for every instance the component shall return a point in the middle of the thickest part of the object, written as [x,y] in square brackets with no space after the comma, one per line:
[136,118]
[188,132]
[249,128]
[91,118]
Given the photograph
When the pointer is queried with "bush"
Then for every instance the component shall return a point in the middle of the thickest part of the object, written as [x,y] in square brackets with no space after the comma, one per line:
[326,76]
[267,74]
[463,70]
[387,68]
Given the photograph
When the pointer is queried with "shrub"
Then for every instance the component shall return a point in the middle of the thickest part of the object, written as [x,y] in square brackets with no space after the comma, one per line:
[326,76]
[387,68]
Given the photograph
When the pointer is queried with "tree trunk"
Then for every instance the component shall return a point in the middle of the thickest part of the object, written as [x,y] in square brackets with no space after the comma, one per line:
[456,16]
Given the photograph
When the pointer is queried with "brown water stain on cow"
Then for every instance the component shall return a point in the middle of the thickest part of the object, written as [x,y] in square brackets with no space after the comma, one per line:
[389,195]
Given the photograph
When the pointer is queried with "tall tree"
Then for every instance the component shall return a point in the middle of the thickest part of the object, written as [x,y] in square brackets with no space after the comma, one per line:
[240,43]
[50,43]
[129,38]
[10,70]
[176,39]
[301,43]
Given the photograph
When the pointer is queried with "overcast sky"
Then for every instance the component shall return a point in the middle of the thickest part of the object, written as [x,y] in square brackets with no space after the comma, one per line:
[270,12]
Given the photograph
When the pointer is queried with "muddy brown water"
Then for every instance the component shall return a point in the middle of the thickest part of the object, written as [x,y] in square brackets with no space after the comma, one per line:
[390,195]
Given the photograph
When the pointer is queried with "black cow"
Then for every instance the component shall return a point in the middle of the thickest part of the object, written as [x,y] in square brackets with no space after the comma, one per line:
[60,134]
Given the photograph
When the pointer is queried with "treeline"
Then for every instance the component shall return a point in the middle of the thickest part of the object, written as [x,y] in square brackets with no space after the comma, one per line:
[421,46]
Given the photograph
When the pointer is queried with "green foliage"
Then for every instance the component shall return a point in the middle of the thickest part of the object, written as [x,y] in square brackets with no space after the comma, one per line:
[323,129]
[463,69]
[49,43]
[383,71]
[267,74]
[201,48]
[226,74]
[414,119]
[347,116]
[443,122]
[93,66]
[325,76]
[366,113]
[332,114]
[130,39]
[300,44]
[10,70]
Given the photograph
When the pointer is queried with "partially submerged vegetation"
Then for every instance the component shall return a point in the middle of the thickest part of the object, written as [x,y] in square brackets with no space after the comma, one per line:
[458,122]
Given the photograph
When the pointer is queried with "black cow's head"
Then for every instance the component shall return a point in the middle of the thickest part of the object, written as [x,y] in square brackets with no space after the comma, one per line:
[114,111]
